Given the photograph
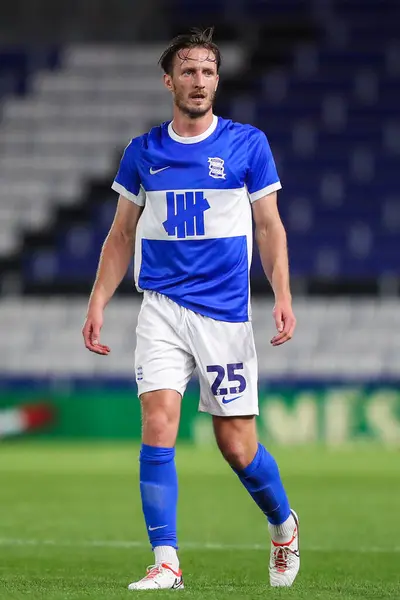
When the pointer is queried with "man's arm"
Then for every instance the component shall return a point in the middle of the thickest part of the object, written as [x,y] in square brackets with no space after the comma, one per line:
[114,261]
[271,240]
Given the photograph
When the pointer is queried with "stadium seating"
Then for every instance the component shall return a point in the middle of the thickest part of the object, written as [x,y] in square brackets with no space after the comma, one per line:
[18,68]
[333,125]
[350,339]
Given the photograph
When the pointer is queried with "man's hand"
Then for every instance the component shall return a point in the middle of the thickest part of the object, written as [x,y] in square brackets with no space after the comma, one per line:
[91,331]
[285,322]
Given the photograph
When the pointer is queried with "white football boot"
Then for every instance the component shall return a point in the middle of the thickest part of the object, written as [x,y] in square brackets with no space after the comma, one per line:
[159,577]
[284,562]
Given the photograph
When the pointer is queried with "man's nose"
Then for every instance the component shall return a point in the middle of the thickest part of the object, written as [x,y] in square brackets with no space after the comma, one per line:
[199,80]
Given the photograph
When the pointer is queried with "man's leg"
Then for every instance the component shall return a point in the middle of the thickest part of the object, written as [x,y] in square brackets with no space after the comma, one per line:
[163,366]
[159,487]
[257,470]
[158,478]
[226,358]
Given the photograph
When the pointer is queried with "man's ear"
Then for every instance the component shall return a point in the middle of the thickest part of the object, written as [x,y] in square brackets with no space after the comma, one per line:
[168,82]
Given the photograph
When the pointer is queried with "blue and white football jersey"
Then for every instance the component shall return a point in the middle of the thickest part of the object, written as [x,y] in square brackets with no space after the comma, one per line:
[194,238]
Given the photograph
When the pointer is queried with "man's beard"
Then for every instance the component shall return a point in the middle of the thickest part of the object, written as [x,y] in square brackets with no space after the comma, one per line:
[194,112]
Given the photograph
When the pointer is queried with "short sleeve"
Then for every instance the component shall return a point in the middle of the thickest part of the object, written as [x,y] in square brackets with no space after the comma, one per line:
[127,179]
[262,177]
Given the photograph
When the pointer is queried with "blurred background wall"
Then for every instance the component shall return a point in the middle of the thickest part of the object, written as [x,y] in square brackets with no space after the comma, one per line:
[322,79]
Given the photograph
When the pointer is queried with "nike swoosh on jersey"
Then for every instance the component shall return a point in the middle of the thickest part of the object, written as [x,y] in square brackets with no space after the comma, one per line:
[154,171]
[225,401]
[158,527]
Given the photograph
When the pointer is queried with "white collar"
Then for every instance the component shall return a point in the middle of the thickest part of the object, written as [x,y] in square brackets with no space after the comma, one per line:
[195,138]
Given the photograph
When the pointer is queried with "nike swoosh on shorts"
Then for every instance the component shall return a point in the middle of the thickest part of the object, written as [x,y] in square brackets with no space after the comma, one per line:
[225,401]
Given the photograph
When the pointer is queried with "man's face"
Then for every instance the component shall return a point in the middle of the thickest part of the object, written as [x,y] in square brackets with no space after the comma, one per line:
[194,81]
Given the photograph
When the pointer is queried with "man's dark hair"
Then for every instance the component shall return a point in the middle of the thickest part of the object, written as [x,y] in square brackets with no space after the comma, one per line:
[194,39]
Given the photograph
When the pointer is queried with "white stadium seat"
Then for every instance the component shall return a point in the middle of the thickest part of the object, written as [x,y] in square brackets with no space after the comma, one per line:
[326,343]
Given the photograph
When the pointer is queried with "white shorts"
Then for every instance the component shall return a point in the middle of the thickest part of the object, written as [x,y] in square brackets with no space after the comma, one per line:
[172,341]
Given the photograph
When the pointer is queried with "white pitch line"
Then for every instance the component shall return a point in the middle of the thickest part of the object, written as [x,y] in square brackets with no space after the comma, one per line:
[184,546]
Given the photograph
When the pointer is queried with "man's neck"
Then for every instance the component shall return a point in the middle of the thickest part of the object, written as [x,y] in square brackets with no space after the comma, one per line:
[187,127]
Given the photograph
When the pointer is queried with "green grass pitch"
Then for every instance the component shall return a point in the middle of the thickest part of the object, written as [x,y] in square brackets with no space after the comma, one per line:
[71,524]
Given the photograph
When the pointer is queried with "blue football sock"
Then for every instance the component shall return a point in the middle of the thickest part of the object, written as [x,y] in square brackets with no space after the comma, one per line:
[262,480]
[159,491]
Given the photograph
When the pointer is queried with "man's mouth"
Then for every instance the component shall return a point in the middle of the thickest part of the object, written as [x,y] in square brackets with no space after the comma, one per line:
[198,96]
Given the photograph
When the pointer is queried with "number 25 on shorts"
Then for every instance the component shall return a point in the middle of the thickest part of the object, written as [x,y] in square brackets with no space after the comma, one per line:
[231,372]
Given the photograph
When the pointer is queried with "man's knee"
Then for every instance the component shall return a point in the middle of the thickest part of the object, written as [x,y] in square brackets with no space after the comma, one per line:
[237,440]
[160,417]
[237,454]
[157,421]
